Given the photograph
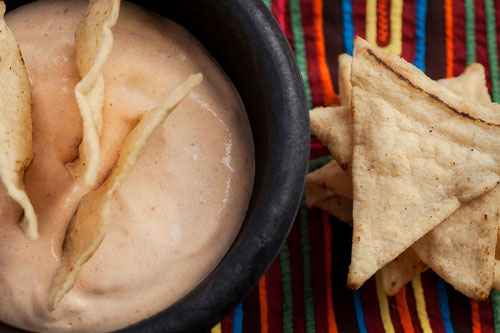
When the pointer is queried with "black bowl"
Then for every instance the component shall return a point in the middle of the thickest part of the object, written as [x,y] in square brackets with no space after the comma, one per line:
[248,43]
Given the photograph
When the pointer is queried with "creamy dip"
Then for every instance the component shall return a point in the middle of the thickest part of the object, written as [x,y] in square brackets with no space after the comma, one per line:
[180,208]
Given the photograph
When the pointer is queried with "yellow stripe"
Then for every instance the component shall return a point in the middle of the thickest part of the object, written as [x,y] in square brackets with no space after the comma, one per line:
[216,329]
[371,21]
[396,44]
[384,304]
[418,291]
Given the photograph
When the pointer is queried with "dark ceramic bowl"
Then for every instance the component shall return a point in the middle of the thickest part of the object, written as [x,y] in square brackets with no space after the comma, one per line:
[247,42]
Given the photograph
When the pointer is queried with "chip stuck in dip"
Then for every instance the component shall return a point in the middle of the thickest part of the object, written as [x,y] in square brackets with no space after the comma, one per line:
[171,199]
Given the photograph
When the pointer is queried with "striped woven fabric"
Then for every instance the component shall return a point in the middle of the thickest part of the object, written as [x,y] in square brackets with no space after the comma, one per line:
[304,290]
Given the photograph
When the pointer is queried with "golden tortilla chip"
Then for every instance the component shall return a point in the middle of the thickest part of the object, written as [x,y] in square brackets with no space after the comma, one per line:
[462,249]
[401,270]
[90,223]
[337,206]
[418,154]
[345,87]
[16,144]
[93,44]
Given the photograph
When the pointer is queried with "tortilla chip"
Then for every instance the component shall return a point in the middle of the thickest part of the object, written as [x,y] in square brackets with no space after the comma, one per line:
[418,154]
[345,87]
[337,206]
[90,223]
[333,127]
[470,84]
[473,227]
[401,270]
[16,144]
[93,44]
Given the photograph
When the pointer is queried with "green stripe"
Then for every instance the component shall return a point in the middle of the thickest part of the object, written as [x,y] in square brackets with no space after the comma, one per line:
[267,3]
[491,36]
[495,302]
[299,45]
[319,162]
[470,31]
[286,282]
[306,263]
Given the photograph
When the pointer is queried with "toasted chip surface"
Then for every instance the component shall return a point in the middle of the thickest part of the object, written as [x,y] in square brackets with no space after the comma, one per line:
[93,44]
[333,127]
[345,87]
[16,144]
[401,270]
[474,227]
[91,220]
[418,154]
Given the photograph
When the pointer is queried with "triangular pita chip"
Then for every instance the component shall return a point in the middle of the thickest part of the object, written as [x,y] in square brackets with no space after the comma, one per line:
[330,189]
[496,281]
[473,227]
[401,270]
[471,84]
[90,223]
[16,145]
[418,154]
[93,44]
[333,127]
[345,87]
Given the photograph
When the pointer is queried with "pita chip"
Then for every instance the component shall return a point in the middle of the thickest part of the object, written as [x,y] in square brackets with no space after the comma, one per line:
[496,281]
[333,127]
[471,84]
[90,223]
[401,270]
[16,144]
[473,227]
[93,44]
[418,154]
[330,189]
[345,87]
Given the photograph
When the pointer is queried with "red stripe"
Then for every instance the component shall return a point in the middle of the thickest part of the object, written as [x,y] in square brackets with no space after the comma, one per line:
[432,301]
[327,234]
[459,35]
[306,8]
[409,31]
[486,315]
[412,308]
[299,324]
[359,17]
[317,149]
[281,10]
[318,270]
[371,307]
[448,17]
[226,326]
[275,297]
[481,46]
[395,318]
[476,321]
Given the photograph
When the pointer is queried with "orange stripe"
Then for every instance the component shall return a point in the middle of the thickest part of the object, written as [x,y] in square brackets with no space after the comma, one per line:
[382,22]
[330,97]
[332,324]
[476,322]
[404,313]
[448,14]
[264,323]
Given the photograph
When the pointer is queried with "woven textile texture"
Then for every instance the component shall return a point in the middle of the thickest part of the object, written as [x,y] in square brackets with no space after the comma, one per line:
[305,288]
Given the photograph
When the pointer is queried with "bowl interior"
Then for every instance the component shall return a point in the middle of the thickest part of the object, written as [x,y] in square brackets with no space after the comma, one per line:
[247,42]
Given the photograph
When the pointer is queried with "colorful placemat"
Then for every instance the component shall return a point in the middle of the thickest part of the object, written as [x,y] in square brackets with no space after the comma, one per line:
[304,289]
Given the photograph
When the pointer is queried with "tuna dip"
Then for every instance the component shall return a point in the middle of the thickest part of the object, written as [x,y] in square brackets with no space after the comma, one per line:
[140,171]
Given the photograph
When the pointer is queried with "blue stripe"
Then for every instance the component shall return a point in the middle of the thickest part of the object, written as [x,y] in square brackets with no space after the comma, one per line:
[348,26]
[238,319]
[443,304]
[360,316]
[420,14]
